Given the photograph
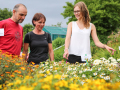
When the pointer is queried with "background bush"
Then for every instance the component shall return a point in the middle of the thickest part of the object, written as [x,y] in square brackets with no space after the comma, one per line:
[58,42]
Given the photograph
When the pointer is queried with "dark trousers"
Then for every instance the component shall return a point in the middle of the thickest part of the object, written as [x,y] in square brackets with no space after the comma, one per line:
[73,59]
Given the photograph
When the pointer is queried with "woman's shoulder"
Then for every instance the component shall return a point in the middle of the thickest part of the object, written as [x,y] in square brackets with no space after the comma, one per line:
[70,23]
[29,33]
[92,25]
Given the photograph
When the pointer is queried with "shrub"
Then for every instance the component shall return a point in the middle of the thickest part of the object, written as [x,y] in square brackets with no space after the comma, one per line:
[58,42]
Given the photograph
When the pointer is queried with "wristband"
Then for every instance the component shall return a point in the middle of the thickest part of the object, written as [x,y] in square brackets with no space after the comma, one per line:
[65,49]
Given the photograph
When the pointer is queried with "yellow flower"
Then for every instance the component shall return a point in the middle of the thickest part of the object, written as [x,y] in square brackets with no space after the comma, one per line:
[0,86]
[9,84]
[33,63]
[73,86]
[41,74]
[23,68]
[48,72]
[46,87]
[34,84]
[18,82]
[57,76]
[25,88]
[17,64]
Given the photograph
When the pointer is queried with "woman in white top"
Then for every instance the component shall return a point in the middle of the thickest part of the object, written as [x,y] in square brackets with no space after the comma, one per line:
[77,42]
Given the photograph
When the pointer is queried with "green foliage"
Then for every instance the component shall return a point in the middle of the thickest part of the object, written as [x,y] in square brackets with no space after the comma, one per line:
[58,24]
[27,28]
[58,42]
[58,54]
[5,13]
[104,15]
[114,42]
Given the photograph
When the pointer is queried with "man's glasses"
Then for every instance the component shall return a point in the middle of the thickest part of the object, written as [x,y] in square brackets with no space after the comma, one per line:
[76,12]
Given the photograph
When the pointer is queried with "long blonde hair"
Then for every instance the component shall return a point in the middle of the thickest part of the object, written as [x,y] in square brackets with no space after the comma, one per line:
[85,13]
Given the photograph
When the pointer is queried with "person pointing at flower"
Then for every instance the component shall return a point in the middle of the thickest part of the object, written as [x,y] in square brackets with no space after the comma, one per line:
[77,42]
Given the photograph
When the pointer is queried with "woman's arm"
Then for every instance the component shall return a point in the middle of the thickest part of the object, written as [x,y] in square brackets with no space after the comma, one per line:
[97,42]
[25,50]
[51,53]
[67,40]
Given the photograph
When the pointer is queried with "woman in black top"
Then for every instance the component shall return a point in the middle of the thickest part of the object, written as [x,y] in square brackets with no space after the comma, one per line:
[39,41]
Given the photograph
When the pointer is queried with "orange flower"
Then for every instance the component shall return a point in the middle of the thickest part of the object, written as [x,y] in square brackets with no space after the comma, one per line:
[16,71]
[19,72]
[17,63]
[12,75]
[6,66]
[7,72]
[2,74]
[0,50]
[33,63]
[19,75]
[23,68]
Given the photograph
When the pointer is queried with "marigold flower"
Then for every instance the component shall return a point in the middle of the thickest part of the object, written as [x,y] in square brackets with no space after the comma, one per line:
[12,75]
[6,66]
[2,74]
[17,64]
[7,72]
[23,68]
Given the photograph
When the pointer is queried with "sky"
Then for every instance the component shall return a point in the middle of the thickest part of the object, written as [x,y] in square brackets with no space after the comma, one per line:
[52,10]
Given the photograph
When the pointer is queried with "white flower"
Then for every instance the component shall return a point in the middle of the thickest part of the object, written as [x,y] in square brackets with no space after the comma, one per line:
[69,68]
[84,70]
[46,63]
[113,64]
[74,68]
[90,69]
[113,60]
[118,59]
[94,74]
[51,66]
[110,69]
[84,64]
[83,75]
[103,74]
[107,78]
[99,69]
[103,59]
[107,61]
[82,82]
[110,58]
[55,70]
[41,65]
[80,71]
[96,62]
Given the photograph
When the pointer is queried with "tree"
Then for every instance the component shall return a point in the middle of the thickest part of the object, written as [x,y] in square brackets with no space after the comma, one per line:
[104,15]
[5,13]
[27,28]
[58,24]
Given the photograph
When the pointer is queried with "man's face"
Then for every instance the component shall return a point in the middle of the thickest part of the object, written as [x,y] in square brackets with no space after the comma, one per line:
[20,14]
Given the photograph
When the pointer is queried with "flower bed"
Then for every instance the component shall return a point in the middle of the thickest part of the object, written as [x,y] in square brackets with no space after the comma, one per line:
[99,74]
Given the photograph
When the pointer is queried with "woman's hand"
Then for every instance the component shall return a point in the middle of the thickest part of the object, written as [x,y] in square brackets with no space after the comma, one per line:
[66,54]
[109,49]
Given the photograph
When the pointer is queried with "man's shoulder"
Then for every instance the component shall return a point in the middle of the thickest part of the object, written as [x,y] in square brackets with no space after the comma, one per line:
[5,20]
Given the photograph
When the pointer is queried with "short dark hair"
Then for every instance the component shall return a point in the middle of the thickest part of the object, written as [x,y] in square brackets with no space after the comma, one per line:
[37,17]
[17,6]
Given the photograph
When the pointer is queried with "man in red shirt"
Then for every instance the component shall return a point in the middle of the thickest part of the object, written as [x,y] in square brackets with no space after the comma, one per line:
[11,33]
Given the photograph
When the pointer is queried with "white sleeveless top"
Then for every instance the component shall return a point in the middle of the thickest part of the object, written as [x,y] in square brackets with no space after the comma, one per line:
[80,41]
